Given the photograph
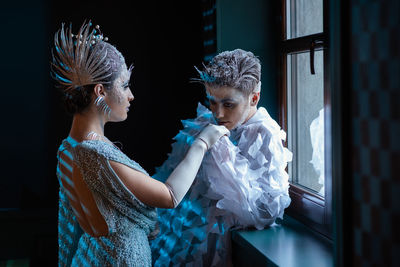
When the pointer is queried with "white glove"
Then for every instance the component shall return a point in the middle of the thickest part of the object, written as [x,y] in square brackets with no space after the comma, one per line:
[212,133]
[183,175]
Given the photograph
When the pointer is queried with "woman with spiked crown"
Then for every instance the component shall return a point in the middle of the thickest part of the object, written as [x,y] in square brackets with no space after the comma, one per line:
[242,180]
[106,200]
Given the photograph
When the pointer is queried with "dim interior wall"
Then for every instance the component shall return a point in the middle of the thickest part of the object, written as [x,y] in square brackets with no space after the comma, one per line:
[253,25]
[24,71]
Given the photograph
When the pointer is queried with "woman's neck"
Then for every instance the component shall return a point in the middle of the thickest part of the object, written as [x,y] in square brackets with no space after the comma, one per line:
[84,123]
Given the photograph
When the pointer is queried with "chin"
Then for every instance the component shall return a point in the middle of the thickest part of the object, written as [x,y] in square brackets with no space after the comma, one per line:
[119,119]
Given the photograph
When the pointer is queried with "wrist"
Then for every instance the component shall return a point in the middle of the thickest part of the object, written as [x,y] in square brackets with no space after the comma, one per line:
[201,144]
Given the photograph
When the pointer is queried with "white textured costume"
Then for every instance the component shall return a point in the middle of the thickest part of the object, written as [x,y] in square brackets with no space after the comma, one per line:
[242,183]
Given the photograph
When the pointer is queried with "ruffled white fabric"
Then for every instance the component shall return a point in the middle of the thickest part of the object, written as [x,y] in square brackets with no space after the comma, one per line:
[249,180]
[242,183]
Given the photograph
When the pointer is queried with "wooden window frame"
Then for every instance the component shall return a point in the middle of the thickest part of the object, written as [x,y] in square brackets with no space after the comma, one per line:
[310,208]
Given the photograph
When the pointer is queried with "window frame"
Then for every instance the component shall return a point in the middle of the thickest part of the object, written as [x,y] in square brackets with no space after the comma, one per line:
[310,208]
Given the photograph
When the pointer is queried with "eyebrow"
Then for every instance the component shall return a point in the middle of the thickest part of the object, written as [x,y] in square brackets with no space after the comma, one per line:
[222,100]
[228,100]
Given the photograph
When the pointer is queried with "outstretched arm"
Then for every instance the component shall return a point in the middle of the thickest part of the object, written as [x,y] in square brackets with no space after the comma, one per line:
[157,194]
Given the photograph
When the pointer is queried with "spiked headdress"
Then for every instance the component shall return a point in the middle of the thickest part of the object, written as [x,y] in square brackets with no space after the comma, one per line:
[78,59]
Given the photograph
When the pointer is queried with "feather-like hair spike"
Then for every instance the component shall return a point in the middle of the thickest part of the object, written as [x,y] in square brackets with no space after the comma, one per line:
[78,60]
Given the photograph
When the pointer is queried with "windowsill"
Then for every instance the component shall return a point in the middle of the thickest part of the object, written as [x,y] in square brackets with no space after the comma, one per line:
[287,244]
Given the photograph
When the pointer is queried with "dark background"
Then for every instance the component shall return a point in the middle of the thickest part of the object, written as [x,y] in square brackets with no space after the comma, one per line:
[163,39]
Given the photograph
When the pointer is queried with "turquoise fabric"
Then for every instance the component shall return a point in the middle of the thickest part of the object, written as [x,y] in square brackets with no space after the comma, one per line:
[129,221]
[69,230]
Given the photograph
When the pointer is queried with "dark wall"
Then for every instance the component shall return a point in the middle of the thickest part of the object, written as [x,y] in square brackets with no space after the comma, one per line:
[25,100]
[163,40]
[375,122]
[254,26]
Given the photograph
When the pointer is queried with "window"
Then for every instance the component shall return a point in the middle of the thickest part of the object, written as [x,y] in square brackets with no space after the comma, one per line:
[305,115]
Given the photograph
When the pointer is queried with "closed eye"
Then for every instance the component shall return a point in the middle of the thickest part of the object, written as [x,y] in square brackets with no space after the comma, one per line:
[229,105]
[126,86]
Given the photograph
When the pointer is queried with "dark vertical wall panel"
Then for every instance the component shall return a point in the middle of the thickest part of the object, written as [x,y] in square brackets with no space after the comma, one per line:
[375,119]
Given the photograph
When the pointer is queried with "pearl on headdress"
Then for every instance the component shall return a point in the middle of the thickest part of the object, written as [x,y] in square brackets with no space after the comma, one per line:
[106,39]
[72,35]
[97,27]
[93,42]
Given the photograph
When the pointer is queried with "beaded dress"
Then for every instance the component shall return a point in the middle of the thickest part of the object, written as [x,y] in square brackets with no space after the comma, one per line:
[130,222]
[241,183]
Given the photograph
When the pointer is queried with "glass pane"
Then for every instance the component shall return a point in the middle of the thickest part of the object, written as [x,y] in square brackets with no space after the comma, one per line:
[306,120]
[304,17]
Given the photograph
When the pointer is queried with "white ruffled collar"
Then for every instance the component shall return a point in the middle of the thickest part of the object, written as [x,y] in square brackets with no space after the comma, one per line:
[260,115]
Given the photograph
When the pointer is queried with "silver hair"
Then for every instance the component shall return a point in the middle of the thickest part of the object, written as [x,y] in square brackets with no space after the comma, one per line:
[237,69]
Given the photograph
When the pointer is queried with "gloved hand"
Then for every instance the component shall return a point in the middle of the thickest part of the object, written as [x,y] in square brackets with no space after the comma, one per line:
[211,133]
[183,175]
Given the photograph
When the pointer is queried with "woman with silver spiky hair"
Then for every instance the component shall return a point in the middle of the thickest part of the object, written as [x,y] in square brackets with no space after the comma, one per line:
[107,201]
[242,180]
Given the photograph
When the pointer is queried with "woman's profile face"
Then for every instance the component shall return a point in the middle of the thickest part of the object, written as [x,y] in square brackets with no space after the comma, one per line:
[229,106]
[120,95]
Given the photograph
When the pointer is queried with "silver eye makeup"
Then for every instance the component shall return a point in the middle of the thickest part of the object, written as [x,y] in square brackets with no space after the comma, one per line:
[126,85]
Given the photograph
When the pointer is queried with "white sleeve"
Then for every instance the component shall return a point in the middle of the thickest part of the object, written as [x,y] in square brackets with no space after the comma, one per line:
[249,180]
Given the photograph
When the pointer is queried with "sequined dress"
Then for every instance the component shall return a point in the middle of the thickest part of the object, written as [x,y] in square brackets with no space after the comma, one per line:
[129,221]
[241,183]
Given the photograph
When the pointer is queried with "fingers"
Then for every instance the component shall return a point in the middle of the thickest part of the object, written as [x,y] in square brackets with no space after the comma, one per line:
[221,129]
[212,133]
[224,130]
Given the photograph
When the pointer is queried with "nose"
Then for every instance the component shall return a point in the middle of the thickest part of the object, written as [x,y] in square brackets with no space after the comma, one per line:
[130,97]
[218,112]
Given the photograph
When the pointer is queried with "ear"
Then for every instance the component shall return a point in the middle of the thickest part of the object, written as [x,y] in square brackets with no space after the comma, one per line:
[99,90]
[254,98]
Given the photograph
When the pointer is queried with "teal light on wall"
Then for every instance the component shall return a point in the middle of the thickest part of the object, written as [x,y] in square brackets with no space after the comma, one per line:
[252,25]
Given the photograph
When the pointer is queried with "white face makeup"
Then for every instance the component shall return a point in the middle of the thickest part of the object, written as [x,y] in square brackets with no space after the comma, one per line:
[119,97]
[229,106]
